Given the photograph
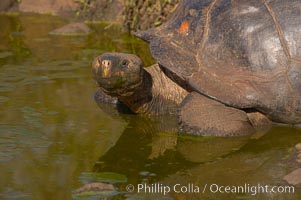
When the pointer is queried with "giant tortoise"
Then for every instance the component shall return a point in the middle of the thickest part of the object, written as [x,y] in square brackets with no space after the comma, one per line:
[220,62]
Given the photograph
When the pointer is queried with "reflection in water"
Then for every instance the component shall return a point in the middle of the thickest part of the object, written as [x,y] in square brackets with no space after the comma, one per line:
[51,130]
[259,161]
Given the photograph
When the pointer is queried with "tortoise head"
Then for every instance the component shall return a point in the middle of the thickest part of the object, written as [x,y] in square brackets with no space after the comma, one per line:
[118,74]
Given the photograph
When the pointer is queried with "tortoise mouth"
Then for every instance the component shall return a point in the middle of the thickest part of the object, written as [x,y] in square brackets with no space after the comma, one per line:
[119,85]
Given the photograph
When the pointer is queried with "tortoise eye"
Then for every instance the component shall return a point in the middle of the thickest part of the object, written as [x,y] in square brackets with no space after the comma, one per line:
[124,63]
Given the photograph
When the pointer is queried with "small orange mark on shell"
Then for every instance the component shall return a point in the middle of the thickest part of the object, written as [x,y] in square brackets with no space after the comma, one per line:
[184,28]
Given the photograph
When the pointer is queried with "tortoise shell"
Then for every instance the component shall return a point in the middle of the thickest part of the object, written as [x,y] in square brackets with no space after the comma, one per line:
[243,53]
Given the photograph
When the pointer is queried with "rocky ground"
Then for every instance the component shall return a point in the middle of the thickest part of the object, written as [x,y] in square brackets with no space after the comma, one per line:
[133,14]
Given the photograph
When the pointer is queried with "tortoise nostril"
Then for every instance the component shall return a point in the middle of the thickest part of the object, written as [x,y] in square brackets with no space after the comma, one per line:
[106,67]
[106,63]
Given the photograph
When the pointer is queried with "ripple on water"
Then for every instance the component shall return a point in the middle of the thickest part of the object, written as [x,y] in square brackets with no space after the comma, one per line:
[66,76]
[14,139]
[3,99]
[13,73]
[61,65]
[32,80]
[32,117]
[52,112]
[7,87]
[10,193]
[92,52]
[5,54]
[10,75]
[41,39]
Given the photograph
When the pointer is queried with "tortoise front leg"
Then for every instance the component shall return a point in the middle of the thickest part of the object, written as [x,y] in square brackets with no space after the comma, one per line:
[200,115]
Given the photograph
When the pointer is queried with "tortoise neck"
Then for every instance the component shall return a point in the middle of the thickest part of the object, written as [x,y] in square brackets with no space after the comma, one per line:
[141,96]
[156,95]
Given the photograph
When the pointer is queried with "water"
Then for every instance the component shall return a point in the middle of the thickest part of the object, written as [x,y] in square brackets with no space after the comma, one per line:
[52,131]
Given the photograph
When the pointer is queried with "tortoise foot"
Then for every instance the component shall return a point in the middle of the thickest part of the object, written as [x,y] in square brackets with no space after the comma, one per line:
[200,115]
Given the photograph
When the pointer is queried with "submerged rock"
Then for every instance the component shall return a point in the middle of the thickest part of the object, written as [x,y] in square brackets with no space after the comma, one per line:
[95,191]
[95,187]
[294,178]
[298,146]
[75,28]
